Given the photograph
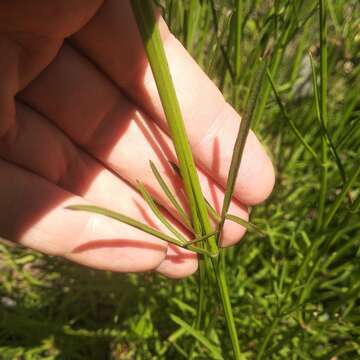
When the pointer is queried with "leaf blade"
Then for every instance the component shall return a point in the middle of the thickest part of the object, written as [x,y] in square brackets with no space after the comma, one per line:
[171,197]
[246,224]
[126,220]
[157,212]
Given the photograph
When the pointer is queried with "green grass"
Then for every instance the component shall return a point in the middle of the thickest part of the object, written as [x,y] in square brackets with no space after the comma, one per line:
[295,292]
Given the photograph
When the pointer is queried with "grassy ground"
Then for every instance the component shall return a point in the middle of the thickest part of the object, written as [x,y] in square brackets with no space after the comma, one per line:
[296,293]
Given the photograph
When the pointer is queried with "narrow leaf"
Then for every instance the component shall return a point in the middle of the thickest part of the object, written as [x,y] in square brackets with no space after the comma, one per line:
[212,212]
[346,188]
[138,225]
[126,220]
[240,143]
[157,212]
[289,120]
[324,131]
[171,197]
[247,225]
[200,239]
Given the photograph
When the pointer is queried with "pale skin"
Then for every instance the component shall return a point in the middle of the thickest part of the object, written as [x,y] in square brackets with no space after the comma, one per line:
[80,118]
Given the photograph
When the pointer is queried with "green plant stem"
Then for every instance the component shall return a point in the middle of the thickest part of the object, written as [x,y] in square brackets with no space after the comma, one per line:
[157,59]
[240,145]
[289,120]
[324,132]
[201,305]
[238,14]
[225,298]
[267,338]
[237,52]
[274,67]
[323,111]
[328,217]
[230,185]
[222,48]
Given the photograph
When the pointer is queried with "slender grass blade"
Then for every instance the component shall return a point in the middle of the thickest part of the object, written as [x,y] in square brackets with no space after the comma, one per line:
[289,120]
[157,212]
[247,225]
[138,225]
[181,212]
[240,144]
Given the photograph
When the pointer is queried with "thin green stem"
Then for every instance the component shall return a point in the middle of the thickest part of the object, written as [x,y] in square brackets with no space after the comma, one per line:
[328,217]
[219,268]
[289,120]
[264,92]
[267,338]
[237,52]
[223,51]
[238,14]
[240,145]
[324,132]
[157,59]
[225,298]
[323,111]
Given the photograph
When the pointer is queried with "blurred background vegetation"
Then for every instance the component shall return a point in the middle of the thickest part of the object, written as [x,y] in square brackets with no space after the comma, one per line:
[296,293]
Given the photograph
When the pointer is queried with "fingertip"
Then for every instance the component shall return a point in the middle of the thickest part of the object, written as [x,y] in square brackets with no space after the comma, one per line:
[114,255]
[214,152]
[256,178]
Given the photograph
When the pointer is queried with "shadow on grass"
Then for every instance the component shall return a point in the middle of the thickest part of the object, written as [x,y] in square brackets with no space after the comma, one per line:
[73,312]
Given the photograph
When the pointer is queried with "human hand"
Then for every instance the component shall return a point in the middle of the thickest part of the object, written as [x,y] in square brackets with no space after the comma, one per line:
[80,118]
